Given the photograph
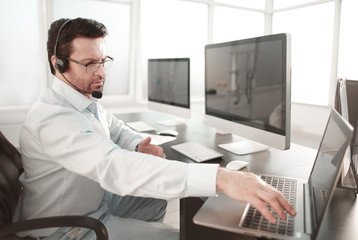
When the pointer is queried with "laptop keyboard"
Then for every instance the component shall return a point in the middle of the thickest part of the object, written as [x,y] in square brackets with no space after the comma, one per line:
[255,220]
[197,151]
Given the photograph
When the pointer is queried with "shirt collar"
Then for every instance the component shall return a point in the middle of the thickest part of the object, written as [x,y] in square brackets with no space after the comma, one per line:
[78,100]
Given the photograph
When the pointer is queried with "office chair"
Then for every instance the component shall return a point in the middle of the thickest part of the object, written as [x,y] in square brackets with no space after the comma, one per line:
[10,191]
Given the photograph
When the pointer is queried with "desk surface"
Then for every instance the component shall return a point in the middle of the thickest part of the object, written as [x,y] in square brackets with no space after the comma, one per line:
[341,218]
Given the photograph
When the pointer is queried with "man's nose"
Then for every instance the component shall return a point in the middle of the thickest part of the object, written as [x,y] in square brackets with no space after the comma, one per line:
[101,71]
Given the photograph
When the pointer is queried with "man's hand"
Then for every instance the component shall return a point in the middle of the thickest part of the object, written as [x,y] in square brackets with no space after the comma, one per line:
[247,187]
[146,147]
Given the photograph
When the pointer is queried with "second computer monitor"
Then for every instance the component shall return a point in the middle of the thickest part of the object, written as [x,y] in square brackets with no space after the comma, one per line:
[169,88]
[247,91]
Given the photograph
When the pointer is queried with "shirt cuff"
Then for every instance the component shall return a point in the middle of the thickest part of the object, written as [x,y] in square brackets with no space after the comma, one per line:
[202,179]
[134,144]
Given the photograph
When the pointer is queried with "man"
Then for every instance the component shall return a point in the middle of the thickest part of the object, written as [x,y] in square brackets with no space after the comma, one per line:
[81,160]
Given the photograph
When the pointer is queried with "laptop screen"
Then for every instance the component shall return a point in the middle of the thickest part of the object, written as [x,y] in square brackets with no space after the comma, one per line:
[327,165]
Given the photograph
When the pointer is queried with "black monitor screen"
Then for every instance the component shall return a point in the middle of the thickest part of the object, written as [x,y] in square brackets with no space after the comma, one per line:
[169,81]
[246,82]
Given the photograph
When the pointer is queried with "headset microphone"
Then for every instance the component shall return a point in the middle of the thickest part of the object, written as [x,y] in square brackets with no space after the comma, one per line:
[95,94]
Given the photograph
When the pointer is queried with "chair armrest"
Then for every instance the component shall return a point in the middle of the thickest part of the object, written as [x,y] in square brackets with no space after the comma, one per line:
[58,221]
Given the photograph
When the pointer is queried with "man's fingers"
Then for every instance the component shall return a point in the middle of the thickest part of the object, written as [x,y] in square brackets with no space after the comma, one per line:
[277,202]
[262,208]
[285,205]
[159,151]
[147,140]
[272,199]
[143,144]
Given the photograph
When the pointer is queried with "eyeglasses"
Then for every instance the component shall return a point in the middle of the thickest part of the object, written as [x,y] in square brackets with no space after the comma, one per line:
[93,67]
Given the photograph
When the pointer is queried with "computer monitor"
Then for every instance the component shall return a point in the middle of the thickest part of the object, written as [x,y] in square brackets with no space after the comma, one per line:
[248,91]
[345,103]
[169,88]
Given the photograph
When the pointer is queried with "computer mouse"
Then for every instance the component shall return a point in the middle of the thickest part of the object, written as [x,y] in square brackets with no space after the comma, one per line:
[168,132]
[236,165]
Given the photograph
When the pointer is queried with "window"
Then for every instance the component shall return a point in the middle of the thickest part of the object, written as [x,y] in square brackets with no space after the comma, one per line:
[284,3]
[174,29]
[348,42]
[177,28]
[312,38]
[232,24]
[257,4]
[21,48]
[24,46]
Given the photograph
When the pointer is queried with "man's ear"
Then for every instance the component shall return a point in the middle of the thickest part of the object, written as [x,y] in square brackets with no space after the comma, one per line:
[53,61]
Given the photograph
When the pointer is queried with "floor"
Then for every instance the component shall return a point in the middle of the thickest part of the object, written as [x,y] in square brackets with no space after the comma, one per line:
[172,216]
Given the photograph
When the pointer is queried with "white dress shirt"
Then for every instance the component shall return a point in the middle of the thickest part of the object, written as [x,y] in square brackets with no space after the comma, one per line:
[73,151]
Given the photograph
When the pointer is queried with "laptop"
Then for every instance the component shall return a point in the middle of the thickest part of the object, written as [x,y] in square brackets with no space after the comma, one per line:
[310,199]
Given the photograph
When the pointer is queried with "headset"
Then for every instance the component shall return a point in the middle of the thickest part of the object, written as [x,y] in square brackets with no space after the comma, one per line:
[62,64]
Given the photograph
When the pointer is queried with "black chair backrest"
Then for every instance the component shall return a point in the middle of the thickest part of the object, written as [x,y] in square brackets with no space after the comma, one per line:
[10,186]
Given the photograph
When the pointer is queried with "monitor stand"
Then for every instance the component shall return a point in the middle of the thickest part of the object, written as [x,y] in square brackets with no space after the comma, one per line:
[349,178]
[172,122]
[244,147]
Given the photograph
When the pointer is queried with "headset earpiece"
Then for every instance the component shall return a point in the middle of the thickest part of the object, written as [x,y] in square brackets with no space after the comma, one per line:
[61,65]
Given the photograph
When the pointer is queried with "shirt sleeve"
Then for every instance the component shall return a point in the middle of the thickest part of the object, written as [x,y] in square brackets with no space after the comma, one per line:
[119,132]
[202,179]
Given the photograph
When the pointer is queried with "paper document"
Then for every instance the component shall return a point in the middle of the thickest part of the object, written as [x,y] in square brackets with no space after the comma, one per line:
[158,139]
[140,126]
